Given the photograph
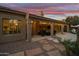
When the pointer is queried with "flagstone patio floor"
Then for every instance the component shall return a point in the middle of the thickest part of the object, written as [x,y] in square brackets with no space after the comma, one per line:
[42,47]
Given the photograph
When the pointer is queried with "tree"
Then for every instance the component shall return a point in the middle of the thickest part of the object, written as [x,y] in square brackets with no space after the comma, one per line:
[68,20]
[73,20]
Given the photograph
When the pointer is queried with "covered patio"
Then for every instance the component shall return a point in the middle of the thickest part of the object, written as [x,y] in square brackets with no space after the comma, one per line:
[40,46]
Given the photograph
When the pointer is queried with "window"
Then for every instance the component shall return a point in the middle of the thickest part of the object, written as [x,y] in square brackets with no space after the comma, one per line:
[11,26]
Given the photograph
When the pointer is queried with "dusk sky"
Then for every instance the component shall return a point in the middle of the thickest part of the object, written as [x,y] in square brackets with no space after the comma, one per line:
[57,11]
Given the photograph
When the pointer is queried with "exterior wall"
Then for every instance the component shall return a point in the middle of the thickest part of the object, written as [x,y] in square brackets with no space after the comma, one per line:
[12,37]
[37,26]
[61,27]
[58,27]
[22,35]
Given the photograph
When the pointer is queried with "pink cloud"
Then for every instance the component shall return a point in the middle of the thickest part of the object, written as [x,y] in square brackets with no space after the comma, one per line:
[63,12]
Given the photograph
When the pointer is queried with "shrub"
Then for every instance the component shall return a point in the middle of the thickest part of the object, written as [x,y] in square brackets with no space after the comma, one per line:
[72,48]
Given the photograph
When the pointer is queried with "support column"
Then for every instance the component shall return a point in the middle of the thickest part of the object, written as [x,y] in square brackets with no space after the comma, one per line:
[62,28]
[29,28]
[52,29]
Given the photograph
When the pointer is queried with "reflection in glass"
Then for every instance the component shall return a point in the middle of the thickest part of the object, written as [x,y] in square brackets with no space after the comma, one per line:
[11,26]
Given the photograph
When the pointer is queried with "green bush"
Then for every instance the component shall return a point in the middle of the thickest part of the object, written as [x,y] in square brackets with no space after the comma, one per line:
[72,48]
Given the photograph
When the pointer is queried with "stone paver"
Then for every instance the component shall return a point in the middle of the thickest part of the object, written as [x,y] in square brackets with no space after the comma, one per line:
[18,54]
[60,47]
[48,47]
[34,51]
[54,53]
[42,47]
[44,41]
[14,47]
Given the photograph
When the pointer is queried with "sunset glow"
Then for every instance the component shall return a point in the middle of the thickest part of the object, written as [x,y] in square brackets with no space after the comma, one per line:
[59,10]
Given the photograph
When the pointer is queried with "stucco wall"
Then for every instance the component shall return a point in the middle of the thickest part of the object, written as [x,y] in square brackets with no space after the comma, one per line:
[12,37]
